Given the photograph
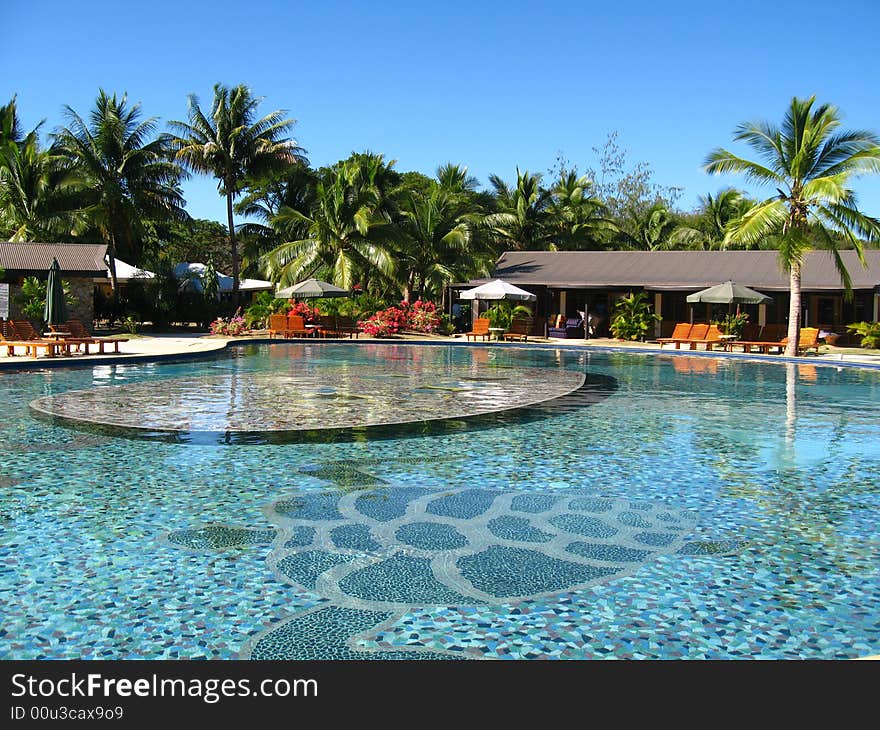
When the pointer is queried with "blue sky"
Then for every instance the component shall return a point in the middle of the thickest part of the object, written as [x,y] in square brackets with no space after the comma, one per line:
[489,84]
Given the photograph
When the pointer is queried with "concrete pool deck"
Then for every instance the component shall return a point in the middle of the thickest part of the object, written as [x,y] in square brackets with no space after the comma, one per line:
[145,348]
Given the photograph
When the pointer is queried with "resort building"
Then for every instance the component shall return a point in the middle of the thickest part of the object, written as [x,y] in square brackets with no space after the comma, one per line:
[570,282]
[80,264]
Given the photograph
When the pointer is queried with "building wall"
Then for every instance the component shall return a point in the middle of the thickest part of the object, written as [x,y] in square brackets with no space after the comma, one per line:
[81,289]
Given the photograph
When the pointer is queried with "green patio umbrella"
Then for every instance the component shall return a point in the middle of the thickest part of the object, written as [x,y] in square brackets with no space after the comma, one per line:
[55,309]
[311,289]
[728,293]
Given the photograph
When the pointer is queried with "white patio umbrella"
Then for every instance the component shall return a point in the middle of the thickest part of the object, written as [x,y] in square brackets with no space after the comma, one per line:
[311,289]
[498,289]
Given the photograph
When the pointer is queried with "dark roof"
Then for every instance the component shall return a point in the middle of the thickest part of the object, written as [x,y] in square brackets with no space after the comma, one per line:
[679,270]
[74,258]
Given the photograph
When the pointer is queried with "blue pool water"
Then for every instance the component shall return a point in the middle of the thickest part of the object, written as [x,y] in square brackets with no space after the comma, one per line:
[653,507]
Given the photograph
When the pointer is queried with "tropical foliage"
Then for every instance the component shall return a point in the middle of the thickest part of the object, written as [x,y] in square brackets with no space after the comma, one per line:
[391,235]
[233,144]
[810,163]
[868,331]
[632,318]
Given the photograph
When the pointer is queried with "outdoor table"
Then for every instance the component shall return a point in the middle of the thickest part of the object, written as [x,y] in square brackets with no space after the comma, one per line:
[497,331]
[315,329]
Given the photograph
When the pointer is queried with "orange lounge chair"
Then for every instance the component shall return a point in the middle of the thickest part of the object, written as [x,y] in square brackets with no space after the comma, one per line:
[20,333]
[697,334]
[481,329]
[710,339]
[681,332]
[808,340]
[278,326]
[81,335]
[296,326]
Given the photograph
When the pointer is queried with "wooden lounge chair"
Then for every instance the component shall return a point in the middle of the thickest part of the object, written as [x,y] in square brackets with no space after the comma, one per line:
[681,332]
[710,339]
[278,326]
[519,329]
[20,333]
[81,335]
[481,329]
[697,334]
[346,326]
[766,339]
[296,326]
[808,340]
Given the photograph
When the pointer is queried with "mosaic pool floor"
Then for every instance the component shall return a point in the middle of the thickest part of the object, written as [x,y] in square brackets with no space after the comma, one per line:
[663,510]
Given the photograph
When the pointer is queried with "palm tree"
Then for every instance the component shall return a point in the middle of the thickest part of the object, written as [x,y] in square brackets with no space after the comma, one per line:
[810,163]
[707,229]
[436,248]
[123,171]
[38,201]
[233,145]
[648,228]
[10,129]
[521,222]
[455,179]
[576,216]
[347,233]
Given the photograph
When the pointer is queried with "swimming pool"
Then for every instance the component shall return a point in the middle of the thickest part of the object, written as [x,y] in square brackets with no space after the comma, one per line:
[629,506]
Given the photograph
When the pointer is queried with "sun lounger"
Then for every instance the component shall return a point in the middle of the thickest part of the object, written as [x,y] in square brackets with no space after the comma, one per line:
[81,335]
[20,333]
[296,326]
[519,329]
[481,329]
[681,332]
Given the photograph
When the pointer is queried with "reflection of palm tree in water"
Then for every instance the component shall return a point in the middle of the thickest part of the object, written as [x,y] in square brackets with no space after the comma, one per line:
[803,508]
[790,409]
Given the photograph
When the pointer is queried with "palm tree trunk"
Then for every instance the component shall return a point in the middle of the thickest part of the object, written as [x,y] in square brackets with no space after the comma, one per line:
[233,245]
[794,310]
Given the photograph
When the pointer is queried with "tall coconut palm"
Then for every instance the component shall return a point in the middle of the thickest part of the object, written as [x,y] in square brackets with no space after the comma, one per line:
[347,234]
[522,218]
[123,171]
[811,163]
[38,200]
[436,247]
[10,128]
[233,144]
[455,179]
[576,216]
[707,228]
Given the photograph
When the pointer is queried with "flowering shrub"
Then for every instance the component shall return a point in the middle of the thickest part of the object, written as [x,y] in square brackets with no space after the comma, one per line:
[230,327]
[423,317]
[419,316]
[306,311]
[385,323]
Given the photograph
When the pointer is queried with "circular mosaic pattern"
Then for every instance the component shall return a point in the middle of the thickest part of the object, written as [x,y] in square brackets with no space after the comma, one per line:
[326,397]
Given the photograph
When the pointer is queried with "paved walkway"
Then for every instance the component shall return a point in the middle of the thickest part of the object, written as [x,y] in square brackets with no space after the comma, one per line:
[148,347]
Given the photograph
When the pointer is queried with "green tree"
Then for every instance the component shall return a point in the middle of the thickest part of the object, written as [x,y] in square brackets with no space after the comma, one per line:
[234,145]
[348,233]
[707,228]
[522,219]
[810,162]
[123,172]
[577,219]
[436,244]
[10,128]
[38,200]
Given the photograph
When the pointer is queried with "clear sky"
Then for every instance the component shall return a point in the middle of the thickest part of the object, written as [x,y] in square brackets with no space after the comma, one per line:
[483,83]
